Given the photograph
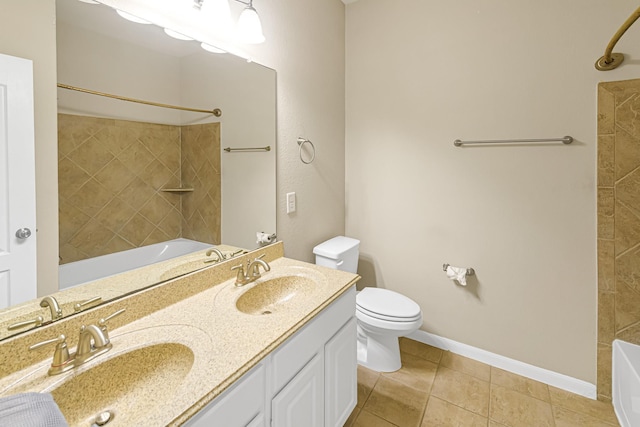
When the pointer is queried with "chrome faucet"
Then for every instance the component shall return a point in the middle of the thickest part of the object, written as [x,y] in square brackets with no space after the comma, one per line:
[218,253]
[253,271]
[92,343]
[56,311]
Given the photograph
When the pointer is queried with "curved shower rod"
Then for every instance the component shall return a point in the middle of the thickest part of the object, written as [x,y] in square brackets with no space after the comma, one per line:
[611,60]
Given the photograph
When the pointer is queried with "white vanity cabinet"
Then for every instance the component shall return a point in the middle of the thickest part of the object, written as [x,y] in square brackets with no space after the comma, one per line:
[309,380]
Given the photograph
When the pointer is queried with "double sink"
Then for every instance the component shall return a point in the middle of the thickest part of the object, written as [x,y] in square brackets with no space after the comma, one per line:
[163,363]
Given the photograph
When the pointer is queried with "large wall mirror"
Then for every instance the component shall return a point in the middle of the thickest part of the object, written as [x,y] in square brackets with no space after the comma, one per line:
[145,178]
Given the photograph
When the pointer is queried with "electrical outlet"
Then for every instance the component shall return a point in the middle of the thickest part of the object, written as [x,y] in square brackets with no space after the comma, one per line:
[291,202]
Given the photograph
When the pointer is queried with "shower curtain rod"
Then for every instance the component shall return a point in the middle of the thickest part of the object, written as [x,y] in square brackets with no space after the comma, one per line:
[610,60]
[216,111]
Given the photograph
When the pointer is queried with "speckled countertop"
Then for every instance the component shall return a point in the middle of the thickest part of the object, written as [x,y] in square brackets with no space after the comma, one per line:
[182,356]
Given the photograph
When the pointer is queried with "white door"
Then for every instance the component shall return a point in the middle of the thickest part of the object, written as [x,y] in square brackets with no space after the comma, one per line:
[17,182]
[301,402]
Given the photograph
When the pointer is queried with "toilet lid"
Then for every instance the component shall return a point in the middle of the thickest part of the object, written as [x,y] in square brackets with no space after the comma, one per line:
[389,304]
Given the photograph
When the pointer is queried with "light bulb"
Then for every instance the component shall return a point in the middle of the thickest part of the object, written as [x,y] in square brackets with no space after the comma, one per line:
[132,18]
[249,26]
[176,35]
[218,12]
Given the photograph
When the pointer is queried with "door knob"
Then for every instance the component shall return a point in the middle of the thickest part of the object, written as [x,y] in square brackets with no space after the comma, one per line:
[23,233]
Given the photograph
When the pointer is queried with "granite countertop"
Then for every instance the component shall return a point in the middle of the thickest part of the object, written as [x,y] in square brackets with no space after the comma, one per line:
[204,338]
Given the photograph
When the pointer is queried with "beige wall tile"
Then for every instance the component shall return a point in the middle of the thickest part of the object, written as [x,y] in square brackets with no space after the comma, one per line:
[627,153]
[604,371]
[630,334]
[440,413]
[396,403]
[605,213]
[627,228]
[462,390]
[71,178]
[627,191]
[606,111]
[606,160]
[627,301]
[606,266]
[628,268]
[606,317]
[516,409]
[466,365]
[626,114]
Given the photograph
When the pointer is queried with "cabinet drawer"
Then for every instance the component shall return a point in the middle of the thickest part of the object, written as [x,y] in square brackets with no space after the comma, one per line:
[290,359]
[239,406]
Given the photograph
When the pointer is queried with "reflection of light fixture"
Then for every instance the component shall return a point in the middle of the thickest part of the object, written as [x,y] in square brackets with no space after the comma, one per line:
[176,35]
[210,48]
[249,26]
[132,18]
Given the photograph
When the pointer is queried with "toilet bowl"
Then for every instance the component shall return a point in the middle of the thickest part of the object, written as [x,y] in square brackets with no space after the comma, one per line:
[382,314]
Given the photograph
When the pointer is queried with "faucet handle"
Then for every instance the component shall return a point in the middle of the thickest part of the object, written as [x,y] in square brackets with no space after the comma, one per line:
[61,358]
[241,277]
[102,323]
[35,322]
[79,306]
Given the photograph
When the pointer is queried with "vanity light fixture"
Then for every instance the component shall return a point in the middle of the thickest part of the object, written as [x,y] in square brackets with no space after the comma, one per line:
[249,25]
[132,18]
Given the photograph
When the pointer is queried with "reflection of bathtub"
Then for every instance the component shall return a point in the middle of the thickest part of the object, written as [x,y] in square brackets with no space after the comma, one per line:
[626,383]
[78,272]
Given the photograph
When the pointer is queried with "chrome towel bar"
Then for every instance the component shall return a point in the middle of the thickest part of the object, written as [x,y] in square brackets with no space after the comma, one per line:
[267,148]
[564,140]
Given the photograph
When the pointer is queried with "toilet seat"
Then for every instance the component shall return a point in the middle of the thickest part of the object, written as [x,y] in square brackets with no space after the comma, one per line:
[388,305]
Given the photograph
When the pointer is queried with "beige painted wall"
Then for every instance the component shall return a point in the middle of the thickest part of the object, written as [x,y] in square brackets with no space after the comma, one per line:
[27,30]
[422,74]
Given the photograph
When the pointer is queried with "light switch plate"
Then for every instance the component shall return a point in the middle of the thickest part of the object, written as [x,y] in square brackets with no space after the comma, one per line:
[291,202]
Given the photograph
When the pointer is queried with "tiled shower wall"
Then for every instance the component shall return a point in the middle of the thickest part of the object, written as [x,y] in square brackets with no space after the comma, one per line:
[110,173]
[618,221]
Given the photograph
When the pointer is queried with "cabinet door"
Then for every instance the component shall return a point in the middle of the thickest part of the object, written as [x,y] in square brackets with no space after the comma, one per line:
[301,401]
[341,369]
[240,406]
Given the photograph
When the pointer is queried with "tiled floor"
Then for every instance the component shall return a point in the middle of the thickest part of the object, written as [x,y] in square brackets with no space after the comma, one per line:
[439,388]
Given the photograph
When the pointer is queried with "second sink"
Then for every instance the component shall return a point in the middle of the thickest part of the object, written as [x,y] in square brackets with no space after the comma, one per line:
[272,295]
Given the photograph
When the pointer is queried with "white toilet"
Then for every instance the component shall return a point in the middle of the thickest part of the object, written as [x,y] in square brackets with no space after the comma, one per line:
[383,315]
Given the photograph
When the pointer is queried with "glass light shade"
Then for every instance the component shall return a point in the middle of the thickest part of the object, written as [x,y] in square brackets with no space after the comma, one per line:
[132,18]
[218,12]
[176,35]
[210,48]
[249,26]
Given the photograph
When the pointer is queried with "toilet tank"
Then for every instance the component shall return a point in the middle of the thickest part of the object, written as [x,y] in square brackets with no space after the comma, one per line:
[340,253]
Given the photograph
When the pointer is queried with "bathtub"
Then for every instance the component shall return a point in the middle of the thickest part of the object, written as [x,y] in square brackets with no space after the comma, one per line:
[626,383]
[78,272]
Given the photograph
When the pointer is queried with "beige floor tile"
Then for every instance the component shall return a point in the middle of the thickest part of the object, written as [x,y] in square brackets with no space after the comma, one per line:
[366,381]
[415,372]
[367,419]
[443,414]
[419,349]
[396,403]
[466,365]
[462,390]
[520,384]
[566,418]
[596,409]
[518,410]
[352,418]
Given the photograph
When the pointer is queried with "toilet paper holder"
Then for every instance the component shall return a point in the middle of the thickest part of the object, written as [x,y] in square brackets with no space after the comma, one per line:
[470,271]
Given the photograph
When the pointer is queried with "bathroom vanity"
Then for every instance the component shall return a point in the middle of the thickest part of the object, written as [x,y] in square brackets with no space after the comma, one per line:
[199,351]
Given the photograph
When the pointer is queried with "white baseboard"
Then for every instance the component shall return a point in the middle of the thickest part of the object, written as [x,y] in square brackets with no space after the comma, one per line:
[546,376]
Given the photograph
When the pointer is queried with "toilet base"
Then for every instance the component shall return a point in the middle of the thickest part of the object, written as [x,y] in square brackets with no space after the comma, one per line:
[379,352]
